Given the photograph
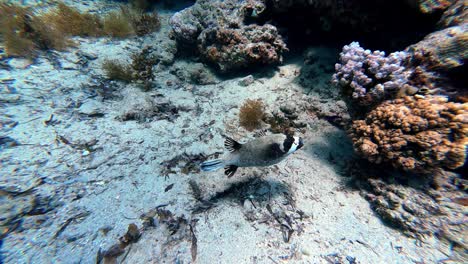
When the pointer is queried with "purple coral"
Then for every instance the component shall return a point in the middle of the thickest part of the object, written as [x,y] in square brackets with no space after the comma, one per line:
[371,76]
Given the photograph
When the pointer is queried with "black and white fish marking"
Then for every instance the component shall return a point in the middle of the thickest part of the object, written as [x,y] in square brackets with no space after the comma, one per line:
[263,151]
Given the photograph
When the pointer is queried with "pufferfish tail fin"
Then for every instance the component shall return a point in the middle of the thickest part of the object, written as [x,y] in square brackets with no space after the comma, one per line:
[231,145]
[212,165]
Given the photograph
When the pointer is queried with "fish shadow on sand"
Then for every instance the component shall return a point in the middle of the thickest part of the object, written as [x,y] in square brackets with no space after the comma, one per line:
[267,202]
[256,190]
[334,148]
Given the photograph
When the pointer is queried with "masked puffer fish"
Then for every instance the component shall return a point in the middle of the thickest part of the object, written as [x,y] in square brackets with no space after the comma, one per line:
[263,151]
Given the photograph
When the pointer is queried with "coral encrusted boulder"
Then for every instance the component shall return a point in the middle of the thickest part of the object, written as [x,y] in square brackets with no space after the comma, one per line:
[414,134]
[218,32]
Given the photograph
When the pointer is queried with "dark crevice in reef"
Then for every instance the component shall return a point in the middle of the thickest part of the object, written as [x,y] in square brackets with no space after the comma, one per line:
[382,25]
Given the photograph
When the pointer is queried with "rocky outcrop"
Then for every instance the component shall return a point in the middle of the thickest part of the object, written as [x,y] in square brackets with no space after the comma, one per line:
[218,31]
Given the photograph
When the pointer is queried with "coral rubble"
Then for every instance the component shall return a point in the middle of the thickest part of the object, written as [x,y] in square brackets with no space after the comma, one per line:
[414,134]
[421,207]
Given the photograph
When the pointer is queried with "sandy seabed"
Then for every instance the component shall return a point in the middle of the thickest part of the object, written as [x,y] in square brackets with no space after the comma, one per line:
[93,156]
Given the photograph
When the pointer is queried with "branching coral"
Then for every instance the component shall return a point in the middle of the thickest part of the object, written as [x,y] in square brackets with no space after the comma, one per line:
[414,134]
[251,114]
[370,77]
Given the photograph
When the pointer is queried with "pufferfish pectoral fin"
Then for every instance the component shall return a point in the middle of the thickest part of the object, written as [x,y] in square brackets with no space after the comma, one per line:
[231,145]
[261,133]
[230,170]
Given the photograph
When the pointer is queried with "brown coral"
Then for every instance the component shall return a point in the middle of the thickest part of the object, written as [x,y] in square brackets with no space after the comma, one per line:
[442,50]
[251,114]
[234,48]
[456,14]
[414,134]
[420,210]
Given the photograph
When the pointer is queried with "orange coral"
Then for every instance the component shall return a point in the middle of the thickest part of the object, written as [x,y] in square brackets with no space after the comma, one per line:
[414,134]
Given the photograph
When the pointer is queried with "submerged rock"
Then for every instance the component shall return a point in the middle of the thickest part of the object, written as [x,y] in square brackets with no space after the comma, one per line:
[456,14]
[442,50]
[420,206]
[196,73]
[222,37]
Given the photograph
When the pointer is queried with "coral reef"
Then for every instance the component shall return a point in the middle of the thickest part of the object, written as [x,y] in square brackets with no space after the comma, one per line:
[371,77]
[218,29]
[414,134]
[233,48]
[421,206]
[430,6]
[456,14]
[251,114]
[222,29]
[442,50]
